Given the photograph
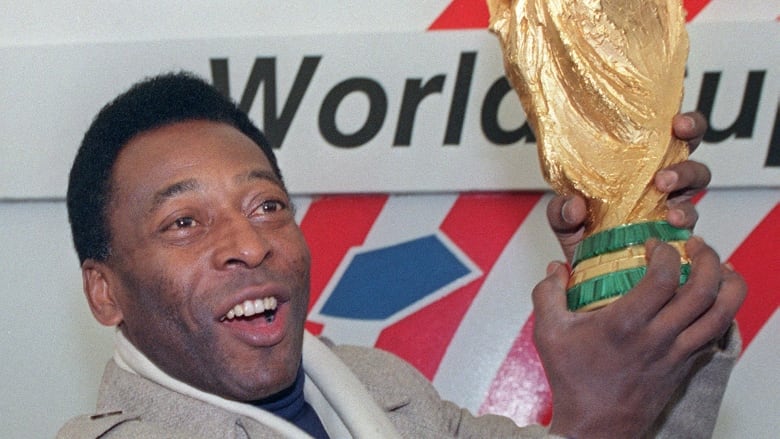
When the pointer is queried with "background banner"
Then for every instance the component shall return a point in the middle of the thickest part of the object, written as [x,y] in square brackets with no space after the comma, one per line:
[338,105]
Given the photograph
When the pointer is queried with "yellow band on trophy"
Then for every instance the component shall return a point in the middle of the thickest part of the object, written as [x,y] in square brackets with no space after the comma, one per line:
[624,259]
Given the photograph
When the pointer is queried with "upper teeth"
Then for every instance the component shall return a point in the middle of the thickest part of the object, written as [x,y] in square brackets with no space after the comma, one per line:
[252,307]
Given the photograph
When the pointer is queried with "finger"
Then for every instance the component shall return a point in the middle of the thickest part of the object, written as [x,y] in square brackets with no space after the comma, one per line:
[713,324]
[549,295]
[690,127]
[682,215]
[566,215]
[684,179]
[697,295]
[656,288]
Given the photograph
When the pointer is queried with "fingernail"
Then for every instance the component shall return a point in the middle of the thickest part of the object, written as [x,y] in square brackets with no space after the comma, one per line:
[552,267]
[565,209]
[728,266]
[690,122]
[677,216]
[667,179]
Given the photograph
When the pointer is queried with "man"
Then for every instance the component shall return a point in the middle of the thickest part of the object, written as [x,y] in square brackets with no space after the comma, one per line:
[188,245]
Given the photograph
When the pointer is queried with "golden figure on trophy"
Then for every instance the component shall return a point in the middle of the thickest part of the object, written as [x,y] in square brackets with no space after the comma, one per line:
[600,81]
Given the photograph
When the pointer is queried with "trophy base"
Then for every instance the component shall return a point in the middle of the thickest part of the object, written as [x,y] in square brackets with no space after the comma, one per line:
[609,263]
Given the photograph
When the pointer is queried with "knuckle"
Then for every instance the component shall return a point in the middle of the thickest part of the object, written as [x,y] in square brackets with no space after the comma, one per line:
[668,280]
[723,321]
[692,215]
[663,278]
[707,177]
[707,294]
[621,329]
[738,283]
[540,290]
[720,319]
[734,290]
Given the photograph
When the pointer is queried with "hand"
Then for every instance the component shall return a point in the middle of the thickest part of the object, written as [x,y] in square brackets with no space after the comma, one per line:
[613,370]
[682,181]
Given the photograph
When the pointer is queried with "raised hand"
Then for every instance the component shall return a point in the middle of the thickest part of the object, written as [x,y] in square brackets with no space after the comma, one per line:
[613,370]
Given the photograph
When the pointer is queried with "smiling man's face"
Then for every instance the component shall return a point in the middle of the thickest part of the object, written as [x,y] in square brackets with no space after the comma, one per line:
[203,235]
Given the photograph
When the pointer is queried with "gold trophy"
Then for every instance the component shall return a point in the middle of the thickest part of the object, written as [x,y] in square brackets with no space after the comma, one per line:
[600,81]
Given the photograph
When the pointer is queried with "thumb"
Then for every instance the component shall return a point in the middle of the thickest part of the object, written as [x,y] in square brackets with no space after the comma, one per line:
[549,295]
[566,215]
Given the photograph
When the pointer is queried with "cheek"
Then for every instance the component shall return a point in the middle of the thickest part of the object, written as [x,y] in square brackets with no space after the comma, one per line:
[295,252]
[301,263]
[296,269]
[156,298]
[301,257]
[165,323]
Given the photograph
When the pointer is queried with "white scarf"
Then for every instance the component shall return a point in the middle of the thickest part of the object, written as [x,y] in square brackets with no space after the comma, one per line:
[343,404]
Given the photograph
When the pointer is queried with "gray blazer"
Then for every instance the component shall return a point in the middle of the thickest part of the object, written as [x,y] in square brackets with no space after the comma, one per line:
[130,406]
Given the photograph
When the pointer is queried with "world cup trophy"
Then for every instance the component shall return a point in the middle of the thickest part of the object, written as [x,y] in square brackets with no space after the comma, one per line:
[600,81]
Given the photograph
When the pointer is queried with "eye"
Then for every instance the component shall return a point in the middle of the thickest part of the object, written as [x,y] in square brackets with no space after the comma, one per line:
[184,222]
[271,206]
[276,209]
[182,227]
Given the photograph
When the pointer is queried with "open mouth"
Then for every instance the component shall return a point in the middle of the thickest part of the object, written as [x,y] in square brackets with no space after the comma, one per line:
[253,309]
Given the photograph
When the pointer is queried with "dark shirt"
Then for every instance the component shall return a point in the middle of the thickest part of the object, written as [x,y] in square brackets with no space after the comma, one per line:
[290,405]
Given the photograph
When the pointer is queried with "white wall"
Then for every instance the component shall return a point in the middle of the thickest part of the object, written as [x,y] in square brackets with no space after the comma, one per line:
[52,350]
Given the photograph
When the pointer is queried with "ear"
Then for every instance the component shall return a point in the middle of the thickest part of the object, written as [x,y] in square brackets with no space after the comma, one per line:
[100,294]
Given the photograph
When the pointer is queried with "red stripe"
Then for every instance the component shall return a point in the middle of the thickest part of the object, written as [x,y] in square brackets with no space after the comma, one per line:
[481,225]
[474,14]
[333,225]
[694,7]
[696,198]
[463,14]
[758,261]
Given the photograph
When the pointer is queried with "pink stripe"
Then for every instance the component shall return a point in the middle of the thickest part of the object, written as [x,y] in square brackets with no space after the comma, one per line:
[520,389]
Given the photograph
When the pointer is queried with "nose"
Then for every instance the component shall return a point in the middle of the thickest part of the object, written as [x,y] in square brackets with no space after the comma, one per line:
[240,244]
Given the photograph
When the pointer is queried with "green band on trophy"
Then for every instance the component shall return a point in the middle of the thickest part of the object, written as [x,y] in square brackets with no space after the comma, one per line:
[627,235]
[594,292]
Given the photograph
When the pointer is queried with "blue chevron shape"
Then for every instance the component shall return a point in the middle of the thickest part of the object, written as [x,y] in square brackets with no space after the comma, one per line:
[381,282]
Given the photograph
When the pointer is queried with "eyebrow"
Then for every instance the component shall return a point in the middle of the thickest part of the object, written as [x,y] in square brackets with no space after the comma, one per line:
[193,185]
[260,174]
[178,188]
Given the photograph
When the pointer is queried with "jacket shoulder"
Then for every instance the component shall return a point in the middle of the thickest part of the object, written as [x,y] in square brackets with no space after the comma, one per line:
[113,424]
[95,425]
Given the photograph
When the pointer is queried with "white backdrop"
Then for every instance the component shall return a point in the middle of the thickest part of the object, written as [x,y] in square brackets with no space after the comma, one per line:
[53,352]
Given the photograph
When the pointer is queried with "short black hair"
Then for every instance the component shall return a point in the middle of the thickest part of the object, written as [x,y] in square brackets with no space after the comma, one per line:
[152,103]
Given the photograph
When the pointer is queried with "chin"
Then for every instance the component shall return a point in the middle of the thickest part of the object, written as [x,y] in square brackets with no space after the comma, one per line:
[262,381]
